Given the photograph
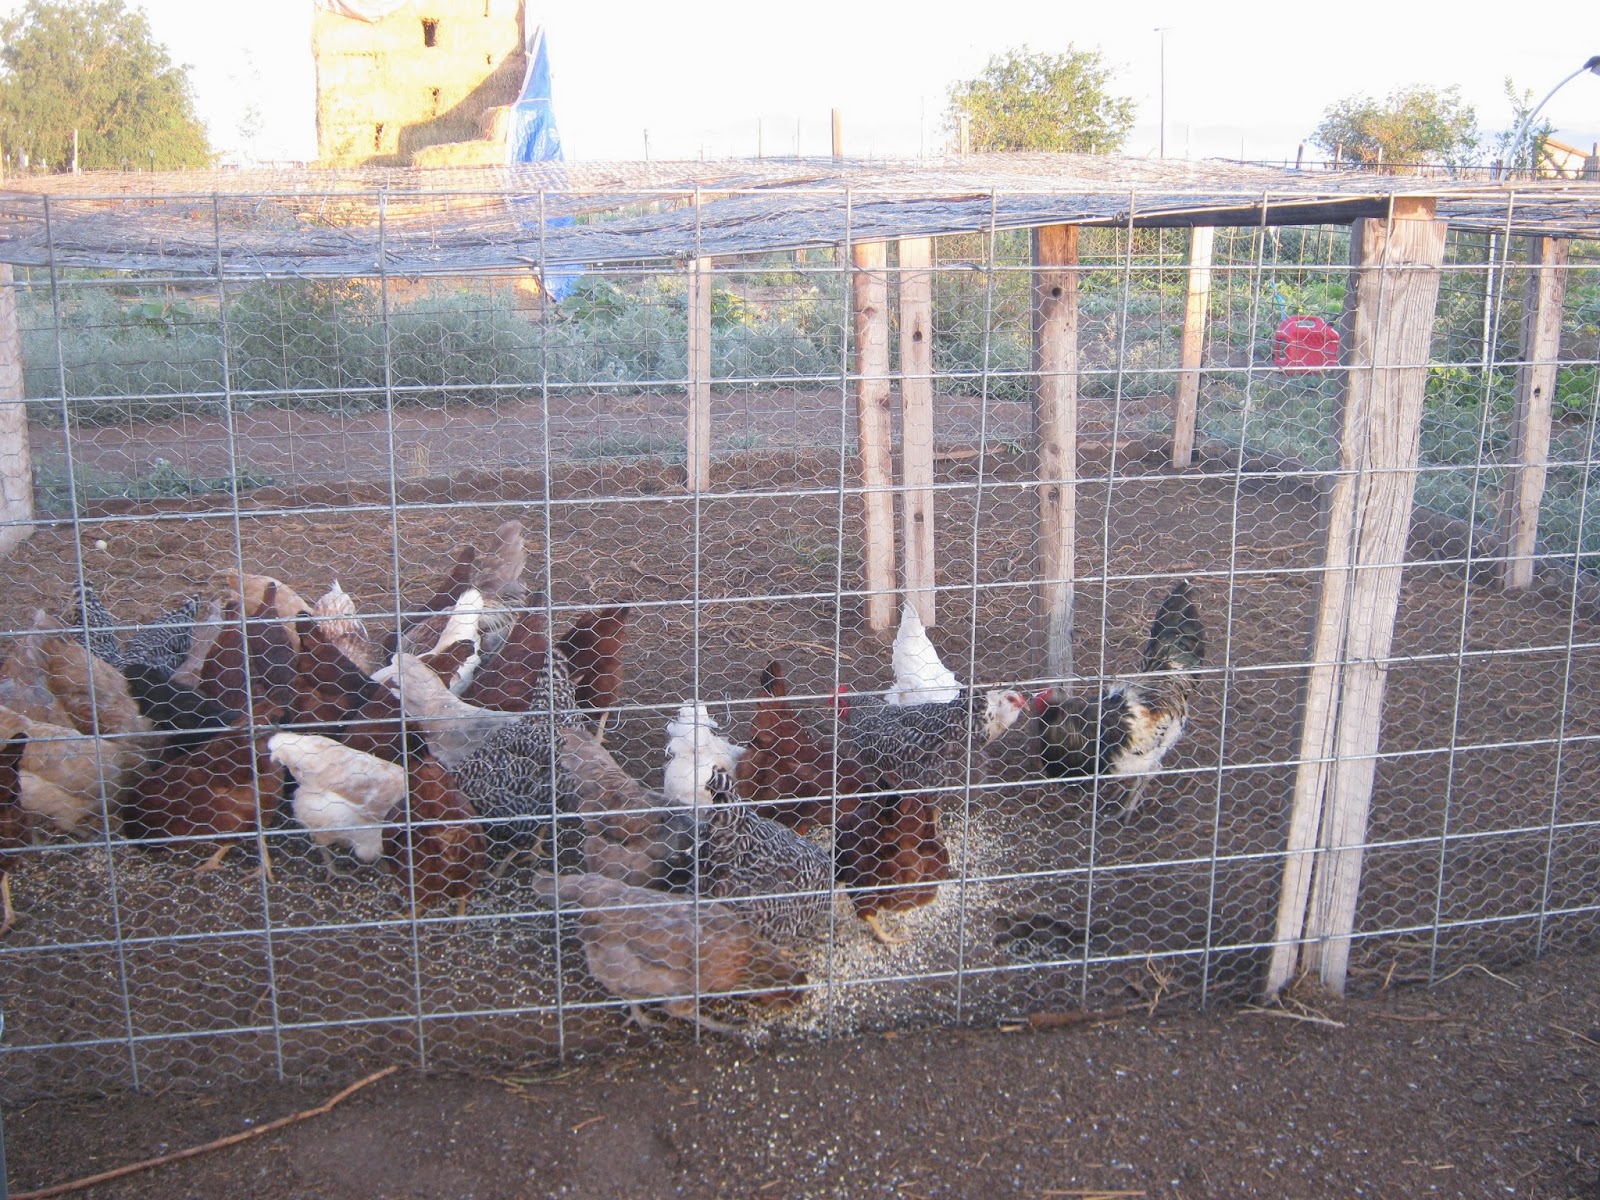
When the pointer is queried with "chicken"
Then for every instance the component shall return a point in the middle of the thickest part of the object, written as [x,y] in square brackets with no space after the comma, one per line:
[186,716]
[453,728]
[888,855]
[496,575]
[251,667]
[458,643]
[919,676]
[911,745]
[1126,731]
[251,596]
[642,946]
[526,674]
[511,779]
[789,773]
[24,681]
[94,694]
[203,637]
[330,688]
[341,795]
[220,791]
[15,831]
[336,619]
[433,841]
[593,650]
[694,751]
[162,643]
[780,882]
[70,778]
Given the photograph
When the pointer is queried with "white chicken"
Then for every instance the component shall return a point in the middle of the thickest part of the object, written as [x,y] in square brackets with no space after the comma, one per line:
[453,728]
[694,750]
[919,676]
[342,795]
[336,613]
[463,627]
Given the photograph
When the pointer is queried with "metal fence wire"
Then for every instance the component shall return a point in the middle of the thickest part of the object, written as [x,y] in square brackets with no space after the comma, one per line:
[533,644]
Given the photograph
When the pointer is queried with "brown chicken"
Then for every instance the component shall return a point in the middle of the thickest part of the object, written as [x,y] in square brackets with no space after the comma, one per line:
[516,678]
[593,650]
[15,822]
[889,857]
[223,790]
[441,853]
[24,682]
[642,945]
[252,669]
[788,771]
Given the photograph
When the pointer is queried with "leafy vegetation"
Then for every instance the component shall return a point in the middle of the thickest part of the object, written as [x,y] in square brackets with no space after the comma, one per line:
[94,66]
[1026,100]
[1412,125]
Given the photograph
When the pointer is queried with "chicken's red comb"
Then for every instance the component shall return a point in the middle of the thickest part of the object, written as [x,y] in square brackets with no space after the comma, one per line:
[839,701]
[1040,700]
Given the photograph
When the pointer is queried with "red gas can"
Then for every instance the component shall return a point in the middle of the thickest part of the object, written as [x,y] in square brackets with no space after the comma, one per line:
[1304,344]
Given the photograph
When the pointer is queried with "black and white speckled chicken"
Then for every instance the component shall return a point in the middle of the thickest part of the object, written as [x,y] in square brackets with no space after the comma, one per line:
[1125,732]
[162,643]
[909,745]
[780,882]
[512,780]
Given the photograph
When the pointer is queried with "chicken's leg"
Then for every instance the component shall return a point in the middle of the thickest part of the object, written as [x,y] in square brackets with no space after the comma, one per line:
[8,914]
[215,861]
[684,1010]
[874,922]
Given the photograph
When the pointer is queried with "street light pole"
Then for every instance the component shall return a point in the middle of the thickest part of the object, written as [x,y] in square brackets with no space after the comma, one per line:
[1593,66]
[1162,30]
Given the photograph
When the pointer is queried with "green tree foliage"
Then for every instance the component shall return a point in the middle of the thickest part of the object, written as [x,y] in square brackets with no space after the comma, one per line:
[1521,100]
[94,66]
[1414,125]
[1028,101]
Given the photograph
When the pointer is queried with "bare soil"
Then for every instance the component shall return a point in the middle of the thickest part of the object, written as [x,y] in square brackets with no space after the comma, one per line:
[1484,1085]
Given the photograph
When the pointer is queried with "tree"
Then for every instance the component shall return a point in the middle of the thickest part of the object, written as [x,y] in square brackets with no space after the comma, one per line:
[1414,125]
[1028,101]
[1532,142]
[94,66]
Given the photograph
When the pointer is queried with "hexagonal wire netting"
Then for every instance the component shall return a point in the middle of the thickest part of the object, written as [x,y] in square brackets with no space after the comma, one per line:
[403,438]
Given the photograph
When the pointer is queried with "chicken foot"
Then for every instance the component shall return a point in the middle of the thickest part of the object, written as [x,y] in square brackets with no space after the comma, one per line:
[687,1010]
[875,923]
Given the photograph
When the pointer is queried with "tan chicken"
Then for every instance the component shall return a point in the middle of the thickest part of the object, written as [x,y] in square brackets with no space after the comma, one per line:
[70,778]
[643,946]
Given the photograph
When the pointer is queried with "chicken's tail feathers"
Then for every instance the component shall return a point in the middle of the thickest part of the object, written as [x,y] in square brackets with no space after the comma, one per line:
[1177,636]
[772,681]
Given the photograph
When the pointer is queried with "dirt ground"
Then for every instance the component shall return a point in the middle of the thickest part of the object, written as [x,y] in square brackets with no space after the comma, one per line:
[1484,1085]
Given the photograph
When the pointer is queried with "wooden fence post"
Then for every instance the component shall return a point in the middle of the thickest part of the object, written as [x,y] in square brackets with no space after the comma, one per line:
[697,458]
[16,463]
[1536,387]
[1186,401]
[1389,313]
[916,421]
[1055,434]
[870,307]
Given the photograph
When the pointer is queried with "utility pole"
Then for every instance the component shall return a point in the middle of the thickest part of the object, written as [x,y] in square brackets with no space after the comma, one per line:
[1162,30]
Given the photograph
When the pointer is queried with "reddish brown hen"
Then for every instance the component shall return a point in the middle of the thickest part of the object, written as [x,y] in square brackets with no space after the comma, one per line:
[440,854]
[788,771]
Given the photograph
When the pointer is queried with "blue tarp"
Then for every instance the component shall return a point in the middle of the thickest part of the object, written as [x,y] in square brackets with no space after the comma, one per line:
[533,136]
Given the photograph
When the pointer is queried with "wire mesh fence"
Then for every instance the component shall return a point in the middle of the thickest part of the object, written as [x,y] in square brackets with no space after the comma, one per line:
[490,481]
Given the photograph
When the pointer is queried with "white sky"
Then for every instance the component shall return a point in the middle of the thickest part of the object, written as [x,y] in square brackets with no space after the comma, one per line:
[701,76]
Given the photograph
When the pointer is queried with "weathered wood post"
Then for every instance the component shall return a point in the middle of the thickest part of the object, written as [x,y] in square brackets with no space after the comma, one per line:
[1546,293]
[916,421]
[697,458]
[1055,435]
[16,463]
[870,308]
[1389,309]
[1186,401]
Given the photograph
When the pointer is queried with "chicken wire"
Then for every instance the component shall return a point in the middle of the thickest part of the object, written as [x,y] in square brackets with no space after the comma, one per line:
[361,427]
